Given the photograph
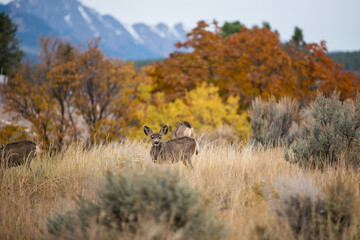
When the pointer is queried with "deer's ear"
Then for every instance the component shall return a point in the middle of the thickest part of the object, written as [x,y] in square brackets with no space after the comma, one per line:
[147,130]
[164,130]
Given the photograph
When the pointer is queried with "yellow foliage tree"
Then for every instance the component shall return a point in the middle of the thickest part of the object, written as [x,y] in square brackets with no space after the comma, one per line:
[12,133]
[202,107]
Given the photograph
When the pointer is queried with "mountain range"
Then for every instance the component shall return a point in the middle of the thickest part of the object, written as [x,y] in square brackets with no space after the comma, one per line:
[77,23]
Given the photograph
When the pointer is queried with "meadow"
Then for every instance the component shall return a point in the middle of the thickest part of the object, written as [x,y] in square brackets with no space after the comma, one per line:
[279,146]
[243,186]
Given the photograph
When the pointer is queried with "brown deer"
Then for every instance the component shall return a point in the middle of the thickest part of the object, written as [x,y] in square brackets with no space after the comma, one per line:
[178,149]
[17,153]
[182,130]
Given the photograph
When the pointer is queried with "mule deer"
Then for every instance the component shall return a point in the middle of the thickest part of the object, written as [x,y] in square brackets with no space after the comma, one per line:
[177,149]
[17,153]
[182,130]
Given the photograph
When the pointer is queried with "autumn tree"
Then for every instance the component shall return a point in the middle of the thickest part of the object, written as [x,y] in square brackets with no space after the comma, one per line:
[103,88]
[249,63]
[62,82]
[70,87]
[184,71]
[41,93]
[10,53]
[253,64]
[27,95]
[329,76]
[11,133]
[202,106]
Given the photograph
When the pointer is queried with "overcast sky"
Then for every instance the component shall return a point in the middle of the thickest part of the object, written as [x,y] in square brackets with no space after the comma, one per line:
[336,21]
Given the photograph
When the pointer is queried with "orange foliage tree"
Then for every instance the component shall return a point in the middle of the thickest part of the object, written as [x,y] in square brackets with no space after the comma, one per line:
[184,71]
[252,62]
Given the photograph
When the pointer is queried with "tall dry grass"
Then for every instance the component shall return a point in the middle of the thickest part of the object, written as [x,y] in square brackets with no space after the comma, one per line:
[245,187]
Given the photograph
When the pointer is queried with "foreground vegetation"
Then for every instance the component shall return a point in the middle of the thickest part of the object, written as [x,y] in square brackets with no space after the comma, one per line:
[255,194]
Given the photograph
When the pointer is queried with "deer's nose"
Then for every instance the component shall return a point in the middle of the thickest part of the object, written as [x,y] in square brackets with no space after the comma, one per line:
[156,142]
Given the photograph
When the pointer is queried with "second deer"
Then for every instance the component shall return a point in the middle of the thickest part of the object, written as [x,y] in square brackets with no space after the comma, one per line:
[183,129]
[18,153]
[174,150]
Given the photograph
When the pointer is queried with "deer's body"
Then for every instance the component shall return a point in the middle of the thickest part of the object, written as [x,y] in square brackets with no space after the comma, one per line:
[174,150]
[18,153]
[183,129]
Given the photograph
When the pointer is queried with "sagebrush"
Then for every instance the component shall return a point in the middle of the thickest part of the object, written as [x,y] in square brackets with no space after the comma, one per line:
[328,134]
[271,121]
[128,201]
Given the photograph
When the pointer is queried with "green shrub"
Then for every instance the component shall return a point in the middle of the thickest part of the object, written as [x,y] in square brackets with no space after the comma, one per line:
[271,121]
[130,201]
[329,134]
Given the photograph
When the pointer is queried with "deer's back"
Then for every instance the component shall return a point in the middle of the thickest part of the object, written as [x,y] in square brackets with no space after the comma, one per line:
[183,129]
[17,153]
[177,149]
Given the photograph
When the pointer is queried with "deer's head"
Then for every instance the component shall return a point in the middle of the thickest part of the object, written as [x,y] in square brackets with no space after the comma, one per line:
[156,137]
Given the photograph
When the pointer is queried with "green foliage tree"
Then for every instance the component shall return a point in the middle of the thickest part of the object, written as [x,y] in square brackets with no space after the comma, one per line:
[350,60]
[230,28]
[10,53]
[266,25]
[298,37]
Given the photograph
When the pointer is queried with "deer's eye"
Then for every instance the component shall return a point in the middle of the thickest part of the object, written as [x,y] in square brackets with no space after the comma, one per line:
[152,137]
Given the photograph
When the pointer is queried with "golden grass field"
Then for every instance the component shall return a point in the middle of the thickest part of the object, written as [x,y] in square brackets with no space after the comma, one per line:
[240,184]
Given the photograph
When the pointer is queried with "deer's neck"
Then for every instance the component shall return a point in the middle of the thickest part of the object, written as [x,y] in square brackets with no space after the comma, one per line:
[155,150]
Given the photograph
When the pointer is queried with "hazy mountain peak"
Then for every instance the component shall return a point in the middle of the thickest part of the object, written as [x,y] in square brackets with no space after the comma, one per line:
[76,22]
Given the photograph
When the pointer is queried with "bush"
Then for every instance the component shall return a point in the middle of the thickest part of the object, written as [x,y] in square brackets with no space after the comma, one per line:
[329,134]
[271,121]
[130,201]
[313,216]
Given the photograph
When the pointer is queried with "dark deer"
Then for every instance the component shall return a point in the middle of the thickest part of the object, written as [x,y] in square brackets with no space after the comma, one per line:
[18,153]
[182,130]
[174,150]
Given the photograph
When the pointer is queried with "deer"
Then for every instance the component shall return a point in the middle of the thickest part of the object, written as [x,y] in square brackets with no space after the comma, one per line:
[178,149]
[182,129]
[17,153]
